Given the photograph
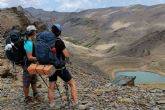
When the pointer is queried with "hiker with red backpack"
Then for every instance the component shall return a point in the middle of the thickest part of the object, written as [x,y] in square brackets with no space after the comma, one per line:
[30,54]
[50,49]
[64,74]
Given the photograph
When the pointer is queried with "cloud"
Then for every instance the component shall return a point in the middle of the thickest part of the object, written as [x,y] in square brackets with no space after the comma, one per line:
[3,5]
[72,5]
[25,3]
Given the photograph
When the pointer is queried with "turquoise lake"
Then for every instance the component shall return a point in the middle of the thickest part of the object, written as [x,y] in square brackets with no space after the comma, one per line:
[143,77]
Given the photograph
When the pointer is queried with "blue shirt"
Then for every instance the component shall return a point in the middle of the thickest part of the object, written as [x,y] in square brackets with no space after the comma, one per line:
[28,46]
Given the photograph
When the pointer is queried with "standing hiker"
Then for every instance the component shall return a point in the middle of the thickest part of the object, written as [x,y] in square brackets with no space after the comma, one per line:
[30,53]
[64,74]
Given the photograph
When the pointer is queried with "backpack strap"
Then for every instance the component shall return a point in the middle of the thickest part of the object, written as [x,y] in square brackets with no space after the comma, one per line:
[14,67]
[57,38]
[42,42]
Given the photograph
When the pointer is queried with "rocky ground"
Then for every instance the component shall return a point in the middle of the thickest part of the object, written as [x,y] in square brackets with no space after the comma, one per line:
[95,93]
[94,88]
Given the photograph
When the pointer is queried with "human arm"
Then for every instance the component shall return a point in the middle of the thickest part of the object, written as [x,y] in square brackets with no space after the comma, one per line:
[28,46]
[30,57]
[66,54]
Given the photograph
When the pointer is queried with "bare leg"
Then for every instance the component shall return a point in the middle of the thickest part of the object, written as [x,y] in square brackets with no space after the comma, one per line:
[51,91]
[72,85]
[34,88]
[26,91]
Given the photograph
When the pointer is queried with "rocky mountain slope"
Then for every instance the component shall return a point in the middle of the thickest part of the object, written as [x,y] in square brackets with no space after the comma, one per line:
[152,43]
[94,92]
[94,87]
[115,34]
[120,26]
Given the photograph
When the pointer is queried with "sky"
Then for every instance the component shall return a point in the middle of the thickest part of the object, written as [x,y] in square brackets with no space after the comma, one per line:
[74,5]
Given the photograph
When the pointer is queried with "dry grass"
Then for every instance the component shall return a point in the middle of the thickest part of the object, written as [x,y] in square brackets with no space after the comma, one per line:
[119,24]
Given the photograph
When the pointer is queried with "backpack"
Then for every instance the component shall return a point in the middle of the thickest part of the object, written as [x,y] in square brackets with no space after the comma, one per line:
[16,52]
[45,50]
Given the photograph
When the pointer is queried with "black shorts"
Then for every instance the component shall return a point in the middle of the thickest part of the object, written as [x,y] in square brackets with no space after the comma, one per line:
[63,74]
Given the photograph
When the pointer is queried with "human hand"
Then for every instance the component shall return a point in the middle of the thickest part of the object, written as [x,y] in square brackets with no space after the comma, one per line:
[67,60]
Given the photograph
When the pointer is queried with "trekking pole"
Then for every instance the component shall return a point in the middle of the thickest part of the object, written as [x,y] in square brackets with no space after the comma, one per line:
[14,67]
[67,89]
[14,73]
[44,81]
[59,93]
[67,93]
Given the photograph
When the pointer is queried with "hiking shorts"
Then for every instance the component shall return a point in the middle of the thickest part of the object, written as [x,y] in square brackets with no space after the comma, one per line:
[63,74]
[28,79]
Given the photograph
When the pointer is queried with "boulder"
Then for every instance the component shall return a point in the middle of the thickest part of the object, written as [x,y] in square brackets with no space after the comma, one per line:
[5,72]
[123,80]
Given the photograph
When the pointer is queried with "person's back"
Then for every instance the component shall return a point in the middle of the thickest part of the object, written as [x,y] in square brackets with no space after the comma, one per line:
[60,46]
[62,53]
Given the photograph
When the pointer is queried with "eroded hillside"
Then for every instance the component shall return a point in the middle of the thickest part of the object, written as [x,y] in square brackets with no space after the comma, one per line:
[114,35]
[121,26]
[94,87]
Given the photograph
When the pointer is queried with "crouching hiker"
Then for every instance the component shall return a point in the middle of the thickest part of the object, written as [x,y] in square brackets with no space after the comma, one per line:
[61,53]
[27,78]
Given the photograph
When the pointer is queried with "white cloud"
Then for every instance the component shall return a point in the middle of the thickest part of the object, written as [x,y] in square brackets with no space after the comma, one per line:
[30,3]
[3,5]
[4,0]
[25,3]
[72,5]
[63,5]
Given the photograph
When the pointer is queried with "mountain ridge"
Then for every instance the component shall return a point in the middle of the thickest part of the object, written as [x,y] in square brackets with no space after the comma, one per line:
[91,58]
[120,25]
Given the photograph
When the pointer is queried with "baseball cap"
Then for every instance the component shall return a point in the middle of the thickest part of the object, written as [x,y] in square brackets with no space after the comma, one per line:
[59,27]
[31,28]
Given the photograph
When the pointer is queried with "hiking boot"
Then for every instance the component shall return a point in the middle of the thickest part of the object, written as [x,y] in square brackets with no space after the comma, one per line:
[38,97]
[52,104]
[75,105]
[29,100]
[78,106]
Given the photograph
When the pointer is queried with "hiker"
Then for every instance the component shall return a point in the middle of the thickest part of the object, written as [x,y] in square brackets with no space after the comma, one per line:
[64,74]
[30,53]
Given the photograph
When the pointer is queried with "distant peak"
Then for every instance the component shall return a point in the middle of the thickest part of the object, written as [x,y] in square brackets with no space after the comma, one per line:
[20,8]
[32,8]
